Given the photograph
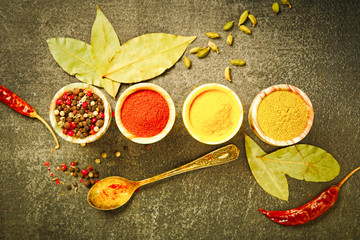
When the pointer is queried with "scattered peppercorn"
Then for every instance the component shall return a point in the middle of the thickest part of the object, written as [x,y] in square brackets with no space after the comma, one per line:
[82,175]
[103,155]
[96,175]
[89,168]
[63,167]
[68,187]
[87,183]
[117,154]
[92,181]
[71,169]
[75,174]
[147,146]
[47,164]
[76,162]
[75,184]
[97,161]
[84,171]
[126,148]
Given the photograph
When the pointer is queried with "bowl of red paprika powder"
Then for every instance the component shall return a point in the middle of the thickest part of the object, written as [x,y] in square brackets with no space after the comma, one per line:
[145,113]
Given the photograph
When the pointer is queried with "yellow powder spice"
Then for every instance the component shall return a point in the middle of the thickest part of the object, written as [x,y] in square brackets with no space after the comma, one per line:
[282,115]
[214,115]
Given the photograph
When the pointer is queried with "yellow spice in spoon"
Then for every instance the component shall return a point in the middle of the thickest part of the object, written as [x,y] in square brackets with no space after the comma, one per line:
[282,115]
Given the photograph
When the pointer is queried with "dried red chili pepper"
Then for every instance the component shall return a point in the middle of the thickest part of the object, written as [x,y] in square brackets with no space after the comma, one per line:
[309,211]
[19,105]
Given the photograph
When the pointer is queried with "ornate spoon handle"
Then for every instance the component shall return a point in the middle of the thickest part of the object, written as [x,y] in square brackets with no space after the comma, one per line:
[220,156]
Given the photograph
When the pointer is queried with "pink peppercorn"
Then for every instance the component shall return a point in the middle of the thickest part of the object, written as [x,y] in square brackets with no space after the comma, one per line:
[68,102]
[96,181]
[63,167]
[65,96]
[102,115]
[47,164]
[94,120]
[57,182]
[92,132]
[59,102]
[72,125]
[92,127]
[72,96]
[113,113]
[70,133]
[65,131]
[89,93]
[81,180]
[84,105]
[72,164]
[51,174]
[84,171]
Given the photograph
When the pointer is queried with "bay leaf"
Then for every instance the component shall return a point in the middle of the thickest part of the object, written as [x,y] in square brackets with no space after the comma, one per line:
[75,58]
[270,179]
[104,42]
[110,86]
[304,162]
[146,57]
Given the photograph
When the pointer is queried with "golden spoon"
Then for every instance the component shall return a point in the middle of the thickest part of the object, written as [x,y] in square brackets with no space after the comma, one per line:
[113,192]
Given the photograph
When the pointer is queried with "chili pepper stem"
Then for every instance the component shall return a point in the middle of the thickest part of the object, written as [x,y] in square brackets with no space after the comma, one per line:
[35,115]
[349,175]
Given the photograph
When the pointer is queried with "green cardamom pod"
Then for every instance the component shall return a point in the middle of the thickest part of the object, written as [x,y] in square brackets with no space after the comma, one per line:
[229,39]
[227,74]
[203,53]
[286,2]
[213,47]
[228,26]
[243,17]
[245,29]
[212,35]
[252,19]
[195,49]
[275,7]
[187,62]
[237,62]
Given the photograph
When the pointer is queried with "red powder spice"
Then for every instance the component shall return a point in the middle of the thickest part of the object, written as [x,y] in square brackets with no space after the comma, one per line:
[145,113]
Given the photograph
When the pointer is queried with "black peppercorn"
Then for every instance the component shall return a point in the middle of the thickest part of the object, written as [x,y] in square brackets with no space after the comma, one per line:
[87,183]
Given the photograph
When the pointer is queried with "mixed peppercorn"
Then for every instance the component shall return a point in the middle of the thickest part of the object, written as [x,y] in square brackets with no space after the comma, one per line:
[79,113]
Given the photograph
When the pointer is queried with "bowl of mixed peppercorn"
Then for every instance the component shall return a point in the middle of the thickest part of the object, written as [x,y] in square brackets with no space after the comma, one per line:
[80,113]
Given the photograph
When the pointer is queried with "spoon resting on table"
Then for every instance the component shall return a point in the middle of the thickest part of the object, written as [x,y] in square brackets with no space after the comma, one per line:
[113,192]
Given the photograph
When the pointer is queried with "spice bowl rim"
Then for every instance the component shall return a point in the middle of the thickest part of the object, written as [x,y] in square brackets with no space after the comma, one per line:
[107,112]
[196,92]
[254,124]
[133,89]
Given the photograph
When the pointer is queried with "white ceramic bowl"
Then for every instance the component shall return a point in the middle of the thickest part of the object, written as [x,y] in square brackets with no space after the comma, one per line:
[254,108]
[107,112]
[133,89]
[195,93]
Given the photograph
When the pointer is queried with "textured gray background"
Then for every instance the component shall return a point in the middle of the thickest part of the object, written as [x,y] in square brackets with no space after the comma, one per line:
[314,46]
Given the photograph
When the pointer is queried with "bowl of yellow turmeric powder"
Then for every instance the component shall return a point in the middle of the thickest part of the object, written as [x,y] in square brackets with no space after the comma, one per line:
[281,115]
[212,113]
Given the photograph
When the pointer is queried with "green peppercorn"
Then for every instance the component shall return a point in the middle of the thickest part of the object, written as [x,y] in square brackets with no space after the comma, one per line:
[76,162]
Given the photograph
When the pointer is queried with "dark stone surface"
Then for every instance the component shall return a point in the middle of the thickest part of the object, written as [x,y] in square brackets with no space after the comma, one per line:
[314,46]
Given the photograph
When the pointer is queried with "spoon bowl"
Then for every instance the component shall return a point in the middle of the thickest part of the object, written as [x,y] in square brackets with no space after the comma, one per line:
[113,192]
